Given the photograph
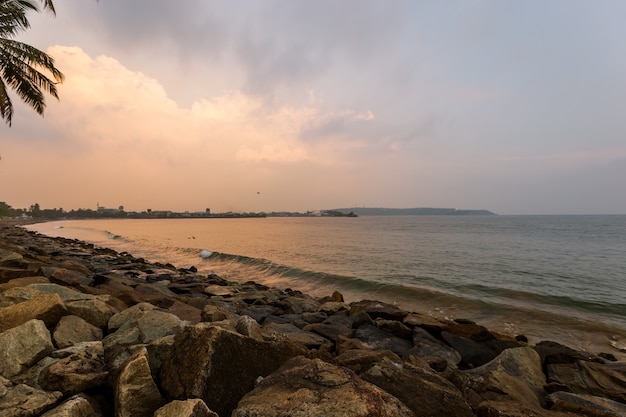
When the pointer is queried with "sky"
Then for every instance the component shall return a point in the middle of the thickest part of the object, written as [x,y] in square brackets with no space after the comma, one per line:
[275,105]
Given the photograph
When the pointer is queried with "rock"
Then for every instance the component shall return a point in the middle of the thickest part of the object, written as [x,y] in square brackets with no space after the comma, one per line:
[329,331]
[94,311]
[473,353]
[300,303]
[247,326]
[34,290]
[136,394]
[336,297]
[184,311]
[25,401]
[260,312]
[220,290]
[276,330]
[583,377]
[305,387]
[419,388]
[48,308]
[587,405]
[79,405]
[426,346]
[22,346]
[212,313]
[331,307]
[523,364]
[72,329]
[219,366]
[142,324]
[424,321]
[376,309]
[394,327]
[516,409]
[70,278]
[79,371]
[359,360]
[22,282]
[188,408]
[375,339]
[553,352]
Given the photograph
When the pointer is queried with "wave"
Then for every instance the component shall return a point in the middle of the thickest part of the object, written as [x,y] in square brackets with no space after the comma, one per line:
[479,296]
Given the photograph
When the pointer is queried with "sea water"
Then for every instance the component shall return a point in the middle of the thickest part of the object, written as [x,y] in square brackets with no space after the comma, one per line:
[560,278]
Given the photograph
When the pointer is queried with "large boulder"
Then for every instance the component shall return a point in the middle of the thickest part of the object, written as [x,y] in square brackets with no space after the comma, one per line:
[374,338]
[427,346]
[189,408]
[219,366]
[310,387]
[587,405]
[24,401]
[95,311]
[137,325]
[22,346]
[136,394]
[49,308]
[79,405]
[515,368]
[72,329]
[584,377]
[419,388]
[83,368]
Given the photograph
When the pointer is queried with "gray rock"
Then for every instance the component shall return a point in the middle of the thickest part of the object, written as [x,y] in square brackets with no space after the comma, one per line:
[23,346]
[219,366]
[375,339]
[187,408]
[49,308]
[136,394]
[79,371]
[79,405]
[425,345]
[585,404]
[419,388]
[72,329]
[583,377]
[305,387]
[523,364]
[25,401]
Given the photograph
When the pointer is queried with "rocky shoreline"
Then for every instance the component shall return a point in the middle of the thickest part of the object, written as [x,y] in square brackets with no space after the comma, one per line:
[86,331]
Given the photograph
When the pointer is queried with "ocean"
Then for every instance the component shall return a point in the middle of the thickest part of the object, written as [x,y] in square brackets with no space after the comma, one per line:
[559,278]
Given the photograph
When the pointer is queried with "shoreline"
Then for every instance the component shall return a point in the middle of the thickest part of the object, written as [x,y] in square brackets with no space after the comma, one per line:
[585,330]
[165,329]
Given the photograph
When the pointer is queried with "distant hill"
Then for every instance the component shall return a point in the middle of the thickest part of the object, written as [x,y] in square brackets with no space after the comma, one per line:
[421,211]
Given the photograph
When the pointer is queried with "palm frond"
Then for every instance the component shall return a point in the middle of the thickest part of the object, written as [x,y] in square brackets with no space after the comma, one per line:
[6,107]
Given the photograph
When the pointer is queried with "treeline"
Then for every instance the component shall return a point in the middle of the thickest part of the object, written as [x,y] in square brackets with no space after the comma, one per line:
[36,212]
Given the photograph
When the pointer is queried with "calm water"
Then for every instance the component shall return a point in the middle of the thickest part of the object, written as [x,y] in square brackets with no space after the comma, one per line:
[549,277]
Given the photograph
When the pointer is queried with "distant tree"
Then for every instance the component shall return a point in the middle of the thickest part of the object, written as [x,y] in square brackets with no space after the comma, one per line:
[21,64]
[5,209]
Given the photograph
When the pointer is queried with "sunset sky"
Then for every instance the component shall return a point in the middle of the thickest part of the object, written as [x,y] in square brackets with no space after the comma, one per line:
[518,107]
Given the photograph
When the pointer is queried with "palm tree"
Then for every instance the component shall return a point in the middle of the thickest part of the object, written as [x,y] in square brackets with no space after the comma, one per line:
[21,64]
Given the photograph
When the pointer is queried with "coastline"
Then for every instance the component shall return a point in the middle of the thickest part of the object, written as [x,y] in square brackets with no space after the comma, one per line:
[328,334]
